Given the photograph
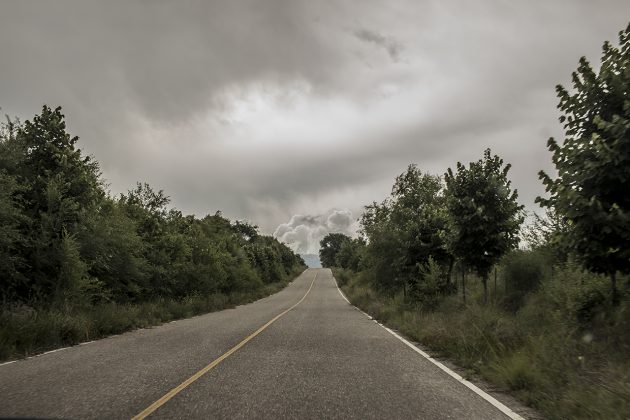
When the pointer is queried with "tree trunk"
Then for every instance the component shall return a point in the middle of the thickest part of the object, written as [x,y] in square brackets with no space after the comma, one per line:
[613,287]
[495,280]
[450,272]
[485,288]
[464,285]
[505,280]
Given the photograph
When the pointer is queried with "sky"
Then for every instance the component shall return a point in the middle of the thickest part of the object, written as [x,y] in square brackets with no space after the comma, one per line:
[295,114]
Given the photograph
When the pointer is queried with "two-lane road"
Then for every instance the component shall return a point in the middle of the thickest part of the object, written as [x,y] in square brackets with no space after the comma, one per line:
[321,358]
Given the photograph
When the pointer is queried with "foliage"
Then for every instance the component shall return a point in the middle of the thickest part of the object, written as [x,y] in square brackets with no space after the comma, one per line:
[593,162]
[11,236]
[485,216]
[547,331]
[25,330]
[405,232]
[546,234]
[350,254]
[330,245]
[522,272]
[66,244]
[564,352]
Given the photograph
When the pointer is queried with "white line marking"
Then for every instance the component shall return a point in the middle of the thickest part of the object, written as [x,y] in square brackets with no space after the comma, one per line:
[51,351]
[137,329]
[489,398]
[38,355]
[342,295]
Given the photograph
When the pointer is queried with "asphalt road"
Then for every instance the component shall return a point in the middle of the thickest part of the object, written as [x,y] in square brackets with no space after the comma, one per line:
[321,359]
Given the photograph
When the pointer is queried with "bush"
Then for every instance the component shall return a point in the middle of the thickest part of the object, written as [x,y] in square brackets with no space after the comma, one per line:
[342,276]
[577,295]
[564,351]
[25,330]
[522,272]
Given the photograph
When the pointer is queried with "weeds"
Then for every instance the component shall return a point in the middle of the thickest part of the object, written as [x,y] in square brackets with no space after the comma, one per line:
[563,349]
[25,331]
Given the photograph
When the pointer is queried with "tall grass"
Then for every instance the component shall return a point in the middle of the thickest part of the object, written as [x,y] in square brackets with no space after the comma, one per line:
[561,347]
[25,330]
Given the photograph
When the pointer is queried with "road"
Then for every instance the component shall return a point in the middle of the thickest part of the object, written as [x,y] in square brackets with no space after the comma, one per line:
[321,358]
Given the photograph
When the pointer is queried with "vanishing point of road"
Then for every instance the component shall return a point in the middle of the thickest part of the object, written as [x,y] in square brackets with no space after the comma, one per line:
[303,353]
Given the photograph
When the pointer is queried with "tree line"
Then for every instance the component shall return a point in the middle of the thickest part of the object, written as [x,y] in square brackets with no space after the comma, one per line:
[470,217]
[66,241]
[412,241]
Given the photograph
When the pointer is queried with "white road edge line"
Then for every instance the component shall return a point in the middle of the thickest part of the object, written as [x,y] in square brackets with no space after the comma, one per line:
[83,343]
[489,398]
[116,335]
[41,354]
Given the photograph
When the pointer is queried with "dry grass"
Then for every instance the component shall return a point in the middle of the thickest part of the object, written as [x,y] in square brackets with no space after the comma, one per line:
[564,351]
[25,331]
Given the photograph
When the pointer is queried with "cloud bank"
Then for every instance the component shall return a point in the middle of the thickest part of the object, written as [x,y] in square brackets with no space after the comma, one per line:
[303,232]
[265,110]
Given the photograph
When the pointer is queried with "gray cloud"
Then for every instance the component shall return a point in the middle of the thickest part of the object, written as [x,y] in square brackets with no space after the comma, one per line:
[303,232]
[390,45]
[265,110]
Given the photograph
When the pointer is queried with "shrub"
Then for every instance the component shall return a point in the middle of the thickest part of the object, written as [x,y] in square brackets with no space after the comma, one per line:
[522,273]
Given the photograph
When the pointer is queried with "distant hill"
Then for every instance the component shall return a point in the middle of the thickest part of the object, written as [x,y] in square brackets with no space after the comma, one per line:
[312,260]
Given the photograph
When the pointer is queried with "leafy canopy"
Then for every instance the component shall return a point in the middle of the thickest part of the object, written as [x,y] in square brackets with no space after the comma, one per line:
[64,241]
[483,211]
[330,246]
[593,162]
[406,231]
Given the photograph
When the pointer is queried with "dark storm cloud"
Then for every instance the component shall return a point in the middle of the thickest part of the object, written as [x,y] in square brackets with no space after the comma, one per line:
[390,45]
[167,59]
[266,110]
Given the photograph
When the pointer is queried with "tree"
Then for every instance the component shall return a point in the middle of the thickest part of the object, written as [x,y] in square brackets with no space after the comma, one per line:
[245,229]
[419,212]
[12,239]
[58,187]
[484,214]
[65,242]
[350,254]
[593,163]
[330,246]
[49,156]
[113,251]
[406,231]
[546,233]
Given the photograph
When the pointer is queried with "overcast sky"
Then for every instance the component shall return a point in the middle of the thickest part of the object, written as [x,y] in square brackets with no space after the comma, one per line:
[295,114]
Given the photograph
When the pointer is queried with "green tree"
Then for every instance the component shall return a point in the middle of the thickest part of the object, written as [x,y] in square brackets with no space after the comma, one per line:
[49,156]
[484,214]
[593,163]
[330,246]
[74,286]
[546,233]
[420,216]
[65,242]
[58,185]
[248,231]
[114,251]
[350,254]
[12,240]
[406,231]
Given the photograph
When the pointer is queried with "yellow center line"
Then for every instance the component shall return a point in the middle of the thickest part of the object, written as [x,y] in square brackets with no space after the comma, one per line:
[150,409]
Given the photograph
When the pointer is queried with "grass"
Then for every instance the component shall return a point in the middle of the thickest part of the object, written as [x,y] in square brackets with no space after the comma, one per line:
[563,350]
[25,331]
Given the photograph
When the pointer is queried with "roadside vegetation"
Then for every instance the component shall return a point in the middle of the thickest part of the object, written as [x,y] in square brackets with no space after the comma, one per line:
[77,263]
[439,259]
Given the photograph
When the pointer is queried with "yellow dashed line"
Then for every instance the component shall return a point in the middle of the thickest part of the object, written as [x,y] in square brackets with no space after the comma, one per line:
[157,404]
